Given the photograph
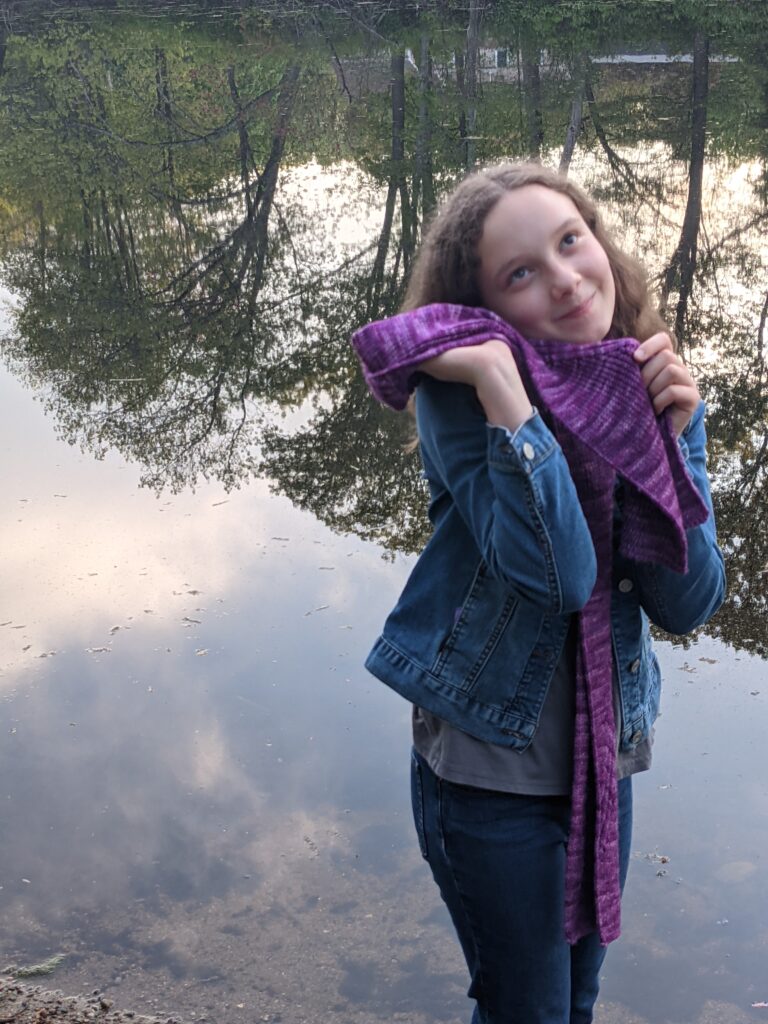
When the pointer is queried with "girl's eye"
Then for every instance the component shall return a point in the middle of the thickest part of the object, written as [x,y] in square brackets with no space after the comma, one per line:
[569,238]
[519,274]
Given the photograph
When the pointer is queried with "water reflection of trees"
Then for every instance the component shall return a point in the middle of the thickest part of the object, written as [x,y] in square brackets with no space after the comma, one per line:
[174,296]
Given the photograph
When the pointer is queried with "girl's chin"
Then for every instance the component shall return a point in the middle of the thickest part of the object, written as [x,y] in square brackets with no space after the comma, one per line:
[579,338]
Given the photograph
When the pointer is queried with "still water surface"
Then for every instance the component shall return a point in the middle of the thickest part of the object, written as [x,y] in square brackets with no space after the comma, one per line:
[205,519]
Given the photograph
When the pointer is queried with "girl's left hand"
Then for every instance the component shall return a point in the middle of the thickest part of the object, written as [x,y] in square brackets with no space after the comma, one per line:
[668,381]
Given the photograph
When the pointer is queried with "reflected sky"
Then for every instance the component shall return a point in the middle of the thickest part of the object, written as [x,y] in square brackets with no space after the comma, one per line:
[219,793]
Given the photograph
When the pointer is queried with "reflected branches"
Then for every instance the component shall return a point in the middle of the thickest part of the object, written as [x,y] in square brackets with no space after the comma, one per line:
[193,230]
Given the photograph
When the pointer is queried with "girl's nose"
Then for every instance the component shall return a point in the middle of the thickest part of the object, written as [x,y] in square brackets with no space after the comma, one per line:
[565,279]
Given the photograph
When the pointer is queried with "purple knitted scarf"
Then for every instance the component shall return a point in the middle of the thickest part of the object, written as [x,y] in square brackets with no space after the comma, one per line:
[604,421]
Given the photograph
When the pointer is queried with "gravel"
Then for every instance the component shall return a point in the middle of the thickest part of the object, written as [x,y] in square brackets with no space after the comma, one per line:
[21,1003]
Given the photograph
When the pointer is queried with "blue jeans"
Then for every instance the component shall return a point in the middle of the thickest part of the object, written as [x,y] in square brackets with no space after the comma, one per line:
[499,861]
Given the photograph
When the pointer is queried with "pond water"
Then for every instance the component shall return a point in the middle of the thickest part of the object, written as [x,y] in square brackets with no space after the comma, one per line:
[205,519]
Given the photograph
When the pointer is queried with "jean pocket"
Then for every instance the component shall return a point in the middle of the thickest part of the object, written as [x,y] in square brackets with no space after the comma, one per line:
[417,802]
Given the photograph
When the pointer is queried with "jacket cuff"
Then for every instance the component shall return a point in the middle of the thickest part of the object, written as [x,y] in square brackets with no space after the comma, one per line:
[522,449]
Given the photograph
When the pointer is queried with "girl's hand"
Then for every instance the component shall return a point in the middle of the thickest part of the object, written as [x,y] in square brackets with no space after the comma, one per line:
[467,364]
[492,371]
[668,381]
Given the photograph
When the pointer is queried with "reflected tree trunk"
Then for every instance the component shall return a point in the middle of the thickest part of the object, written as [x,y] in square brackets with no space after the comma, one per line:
[265,192]
[3,44]
[622,170]
[471,82]
[42,245]
[396,186]
[682,266]
[424,184]
[532,97]
[164,111]
[246,154]
[577,113]
[760,358]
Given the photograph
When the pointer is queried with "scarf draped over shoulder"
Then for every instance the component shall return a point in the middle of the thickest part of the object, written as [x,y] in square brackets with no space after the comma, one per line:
[604,421]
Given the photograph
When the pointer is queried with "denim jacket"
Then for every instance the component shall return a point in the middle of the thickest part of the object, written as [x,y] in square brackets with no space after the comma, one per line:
[479,628]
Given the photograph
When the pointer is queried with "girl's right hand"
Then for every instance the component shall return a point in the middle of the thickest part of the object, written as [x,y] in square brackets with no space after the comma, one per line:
[491,370]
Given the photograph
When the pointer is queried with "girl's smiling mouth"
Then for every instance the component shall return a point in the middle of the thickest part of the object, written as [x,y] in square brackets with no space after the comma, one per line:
[581,310]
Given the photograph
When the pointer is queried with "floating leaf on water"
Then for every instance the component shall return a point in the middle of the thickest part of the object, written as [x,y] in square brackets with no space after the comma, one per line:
[709,661]
[201,653]
[320,608]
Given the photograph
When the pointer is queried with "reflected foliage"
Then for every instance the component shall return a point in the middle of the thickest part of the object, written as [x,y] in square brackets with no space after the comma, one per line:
[197,211]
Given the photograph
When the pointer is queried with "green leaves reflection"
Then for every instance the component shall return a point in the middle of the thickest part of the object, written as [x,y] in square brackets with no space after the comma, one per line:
[195,215]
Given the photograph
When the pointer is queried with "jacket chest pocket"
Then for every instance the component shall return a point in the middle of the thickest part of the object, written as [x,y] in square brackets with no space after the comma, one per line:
[479,624]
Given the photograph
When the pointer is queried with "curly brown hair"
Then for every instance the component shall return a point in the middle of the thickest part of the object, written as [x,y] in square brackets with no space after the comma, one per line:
[445,269]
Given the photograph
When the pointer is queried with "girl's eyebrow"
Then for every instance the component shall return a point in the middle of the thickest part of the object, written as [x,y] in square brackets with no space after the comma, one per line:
[521,257]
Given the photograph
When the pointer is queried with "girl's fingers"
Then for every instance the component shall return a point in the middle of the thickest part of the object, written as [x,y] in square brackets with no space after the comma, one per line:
[652,346]
[464,364]
[657,362]
[680,395]
[661,372]
[667,379]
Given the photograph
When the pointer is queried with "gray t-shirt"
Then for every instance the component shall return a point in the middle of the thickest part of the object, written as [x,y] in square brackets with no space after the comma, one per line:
[544,768]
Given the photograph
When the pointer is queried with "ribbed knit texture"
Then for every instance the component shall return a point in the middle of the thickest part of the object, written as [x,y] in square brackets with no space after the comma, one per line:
[604,421]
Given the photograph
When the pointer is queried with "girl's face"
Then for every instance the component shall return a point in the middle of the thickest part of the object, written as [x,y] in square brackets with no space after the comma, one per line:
[543,270]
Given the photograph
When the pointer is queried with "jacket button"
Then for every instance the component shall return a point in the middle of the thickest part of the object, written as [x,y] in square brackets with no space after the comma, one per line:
[625,586]
[528,450]
[635,665]
[636,737]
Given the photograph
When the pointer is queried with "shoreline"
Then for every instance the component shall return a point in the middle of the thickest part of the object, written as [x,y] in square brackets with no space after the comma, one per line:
[22,1003]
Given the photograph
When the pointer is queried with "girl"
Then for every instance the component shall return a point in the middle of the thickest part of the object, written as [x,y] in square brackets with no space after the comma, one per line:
[570,505]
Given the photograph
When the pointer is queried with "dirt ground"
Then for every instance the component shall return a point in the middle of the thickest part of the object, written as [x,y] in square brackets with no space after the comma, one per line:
[21,1003]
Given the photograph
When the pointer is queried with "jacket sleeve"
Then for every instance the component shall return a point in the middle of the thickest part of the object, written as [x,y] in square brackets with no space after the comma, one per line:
[514,493]
[679,602]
